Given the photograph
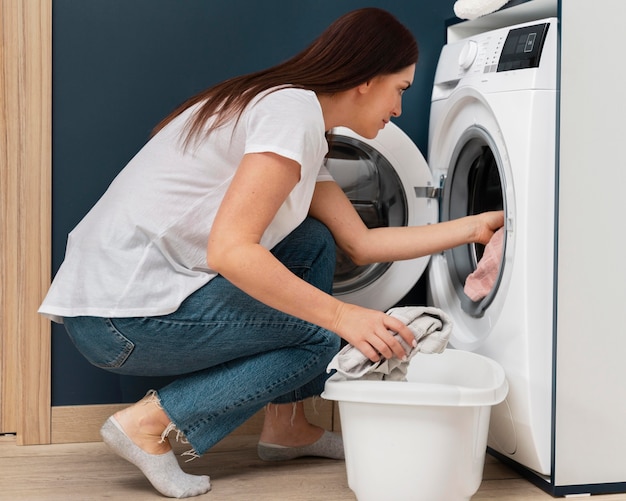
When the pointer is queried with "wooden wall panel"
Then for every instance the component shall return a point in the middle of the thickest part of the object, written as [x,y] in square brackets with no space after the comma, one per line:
[25,182]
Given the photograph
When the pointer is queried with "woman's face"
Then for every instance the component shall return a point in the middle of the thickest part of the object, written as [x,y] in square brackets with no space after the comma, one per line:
[379,100]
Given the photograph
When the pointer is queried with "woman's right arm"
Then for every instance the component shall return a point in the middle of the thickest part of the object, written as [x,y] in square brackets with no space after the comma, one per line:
[260,186]
[365,246]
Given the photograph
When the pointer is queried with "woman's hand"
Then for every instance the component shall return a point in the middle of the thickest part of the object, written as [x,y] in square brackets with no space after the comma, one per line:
[487,223]
[368,331]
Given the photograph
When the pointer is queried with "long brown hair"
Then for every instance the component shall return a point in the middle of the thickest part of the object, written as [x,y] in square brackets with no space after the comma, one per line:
[355,48]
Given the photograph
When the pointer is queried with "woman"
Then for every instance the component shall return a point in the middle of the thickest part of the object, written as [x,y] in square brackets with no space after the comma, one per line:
[211,255]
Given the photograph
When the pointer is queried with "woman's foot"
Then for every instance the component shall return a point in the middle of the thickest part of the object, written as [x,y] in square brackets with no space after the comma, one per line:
[144,423]
[142,444]
[287,434]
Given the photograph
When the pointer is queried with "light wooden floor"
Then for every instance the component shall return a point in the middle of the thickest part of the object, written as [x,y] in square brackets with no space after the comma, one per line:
[89,471]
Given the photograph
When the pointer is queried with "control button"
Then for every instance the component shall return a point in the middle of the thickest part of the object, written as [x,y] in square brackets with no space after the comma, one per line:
[468,54]
[530,42]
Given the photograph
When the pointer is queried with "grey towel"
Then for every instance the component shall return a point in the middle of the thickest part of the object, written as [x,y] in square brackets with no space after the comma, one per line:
[431,328]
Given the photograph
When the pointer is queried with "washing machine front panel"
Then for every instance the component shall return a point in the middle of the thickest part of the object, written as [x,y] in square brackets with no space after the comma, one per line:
[475,184]
[515,327]
[469,155]
[380,177]
[479,112]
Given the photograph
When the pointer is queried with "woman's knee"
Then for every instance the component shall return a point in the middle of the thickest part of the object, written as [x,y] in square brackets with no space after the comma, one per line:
[314,235]
[328,341]
[309,252]
[319,231]
[323,252]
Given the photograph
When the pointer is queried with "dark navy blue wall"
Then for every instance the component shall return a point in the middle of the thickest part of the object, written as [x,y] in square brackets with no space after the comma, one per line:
[119,66]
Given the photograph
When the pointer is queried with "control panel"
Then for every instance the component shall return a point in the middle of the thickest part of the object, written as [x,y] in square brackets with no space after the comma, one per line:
[515,49]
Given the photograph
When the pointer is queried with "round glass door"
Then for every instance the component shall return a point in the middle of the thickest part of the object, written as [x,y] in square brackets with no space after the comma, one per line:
[375,190]
[474,185]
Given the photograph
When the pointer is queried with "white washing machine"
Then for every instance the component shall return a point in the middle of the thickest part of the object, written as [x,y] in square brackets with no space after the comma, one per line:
[504,135]
[492,146]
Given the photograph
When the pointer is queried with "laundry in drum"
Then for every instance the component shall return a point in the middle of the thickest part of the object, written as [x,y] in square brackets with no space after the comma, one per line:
[480,282]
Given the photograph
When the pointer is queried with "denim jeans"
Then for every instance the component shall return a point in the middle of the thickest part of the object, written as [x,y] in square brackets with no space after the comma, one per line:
[233,353]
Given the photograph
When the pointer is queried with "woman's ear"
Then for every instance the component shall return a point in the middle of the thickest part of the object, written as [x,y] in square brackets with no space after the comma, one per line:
[364,87]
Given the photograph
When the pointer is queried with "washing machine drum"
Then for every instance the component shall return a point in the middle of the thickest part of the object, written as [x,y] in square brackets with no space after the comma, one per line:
[474,184]
[387,180]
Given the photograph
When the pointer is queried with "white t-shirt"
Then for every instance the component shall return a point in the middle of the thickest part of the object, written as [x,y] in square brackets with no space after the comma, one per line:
[141,250]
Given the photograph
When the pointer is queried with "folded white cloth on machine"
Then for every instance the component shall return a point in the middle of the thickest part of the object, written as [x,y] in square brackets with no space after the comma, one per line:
[472,9]
[431,328]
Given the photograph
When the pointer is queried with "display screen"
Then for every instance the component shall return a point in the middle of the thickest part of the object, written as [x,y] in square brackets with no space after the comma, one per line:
[522,48]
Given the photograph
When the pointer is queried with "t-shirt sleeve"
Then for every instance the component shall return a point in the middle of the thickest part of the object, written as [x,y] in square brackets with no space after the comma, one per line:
[324,175]
[287,122]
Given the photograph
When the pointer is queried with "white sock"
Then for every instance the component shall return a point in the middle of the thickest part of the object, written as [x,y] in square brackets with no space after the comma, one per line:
[162,470]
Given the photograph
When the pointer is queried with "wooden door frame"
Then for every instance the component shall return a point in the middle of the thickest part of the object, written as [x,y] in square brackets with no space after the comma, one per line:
[25,217]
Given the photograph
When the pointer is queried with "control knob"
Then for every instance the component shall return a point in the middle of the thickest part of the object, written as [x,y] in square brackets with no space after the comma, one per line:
[468,54]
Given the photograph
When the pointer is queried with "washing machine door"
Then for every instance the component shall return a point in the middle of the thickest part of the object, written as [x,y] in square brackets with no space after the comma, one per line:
[468,152]
[388,182]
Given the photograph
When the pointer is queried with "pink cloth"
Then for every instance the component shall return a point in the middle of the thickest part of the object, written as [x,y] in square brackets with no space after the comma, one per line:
[479,283]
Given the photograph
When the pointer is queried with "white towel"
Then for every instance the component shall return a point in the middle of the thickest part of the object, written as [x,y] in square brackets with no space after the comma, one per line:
[431,328]
[472,9]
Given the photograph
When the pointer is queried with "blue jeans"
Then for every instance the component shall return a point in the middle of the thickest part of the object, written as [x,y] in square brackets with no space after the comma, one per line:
[233,353]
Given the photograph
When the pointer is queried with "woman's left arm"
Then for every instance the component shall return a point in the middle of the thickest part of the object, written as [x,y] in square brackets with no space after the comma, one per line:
[364,246]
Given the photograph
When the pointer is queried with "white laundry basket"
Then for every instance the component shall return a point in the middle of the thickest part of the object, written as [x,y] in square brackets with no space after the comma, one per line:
[424,439]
